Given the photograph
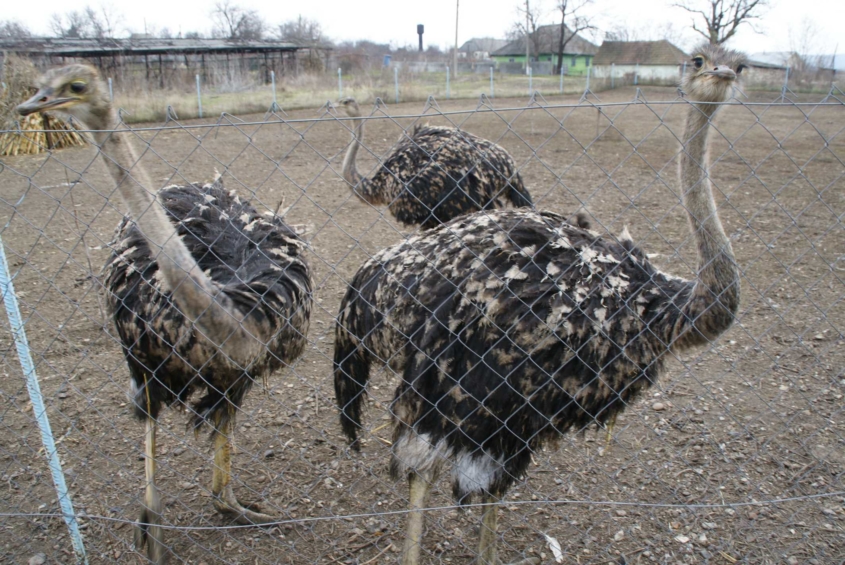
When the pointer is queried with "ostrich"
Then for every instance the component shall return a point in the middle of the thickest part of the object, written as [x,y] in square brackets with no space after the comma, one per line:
[435,174]
[207,295]
[511,327]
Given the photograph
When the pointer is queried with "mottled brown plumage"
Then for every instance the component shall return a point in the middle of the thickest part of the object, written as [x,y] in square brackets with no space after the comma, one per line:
[207,294]
[436,174]
[509,328]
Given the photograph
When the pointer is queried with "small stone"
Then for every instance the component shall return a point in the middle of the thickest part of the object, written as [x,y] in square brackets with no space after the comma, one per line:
[620,535]
[708,525]
[682,539]
[178,451]
[702,539]
[269,453]
[621,513]
[658,407]
[792,560]
[38,559]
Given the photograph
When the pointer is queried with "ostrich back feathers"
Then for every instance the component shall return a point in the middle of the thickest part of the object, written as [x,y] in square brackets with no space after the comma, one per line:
[507,328]
[255,260]
[439,173]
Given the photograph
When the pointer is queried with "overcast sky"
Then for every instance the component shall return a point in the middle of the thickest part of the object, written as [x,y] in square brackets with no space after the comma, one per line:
[395,22]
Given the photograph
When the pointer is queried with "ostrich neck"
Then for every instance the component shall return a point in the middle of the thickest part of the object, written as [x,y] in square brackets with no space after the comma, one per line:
[350,169]
[198,297]
[715,294]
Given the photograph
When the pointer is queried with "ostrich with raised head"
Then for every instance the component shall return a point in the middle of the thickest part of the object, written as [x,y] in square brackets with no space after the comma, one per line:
[207,294]
[435,174]
[511,327]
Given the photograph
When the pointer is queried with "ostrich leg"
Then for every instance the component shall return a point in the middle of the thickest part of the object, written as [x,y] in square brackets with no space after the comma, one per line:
[489,535]
[148,531]
[224,498]
[420,486]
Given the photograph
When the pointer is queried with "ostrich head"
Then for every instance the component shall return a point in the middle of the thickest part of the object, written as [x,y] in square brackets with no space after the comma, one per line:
[74,89]
[350,106]
[712,73]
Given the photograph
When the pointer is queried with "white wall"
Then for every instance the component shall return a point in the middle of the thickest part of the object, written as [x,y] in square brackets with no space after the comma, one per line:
[645,72]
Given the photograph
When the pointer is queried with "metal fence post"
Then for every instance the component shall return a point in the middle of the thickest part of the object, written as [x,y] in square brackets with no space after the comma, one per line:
[339,83]
[13,312]
[448,90]
[396,82]
[786,80]
[637,75]
[587,86]
[491,82]
[111,90]
[273,82]
[199,97]
[612,69]
[561,76]
[530,81]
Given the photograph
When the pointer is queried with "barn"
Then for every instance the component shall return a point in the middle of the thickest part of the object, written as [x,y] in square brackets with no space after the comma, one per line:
[652,61]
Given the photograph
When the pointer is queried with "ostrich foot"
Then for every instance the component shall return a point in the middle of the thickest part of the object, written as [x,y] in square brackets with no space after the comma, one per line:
[227,504]
[149,534]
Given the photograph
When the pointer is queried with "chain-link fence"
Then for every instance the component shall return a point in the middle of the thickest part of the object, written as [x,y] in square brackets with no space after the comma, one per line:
[737,454]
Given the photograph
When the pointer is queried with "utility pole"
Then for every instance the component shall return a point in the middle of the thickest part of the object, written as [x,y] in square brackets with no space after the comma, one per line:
[455,54]
[527,39]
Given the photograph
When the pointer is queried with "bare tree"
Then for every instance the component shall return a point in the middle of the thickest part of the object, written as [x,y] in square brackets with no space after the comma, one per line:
[70,24]
[718,20]
[803,48]
[525,26]
[303,31]
[235,22]
[104,22]
[10,29]
[572,22]
[666,30]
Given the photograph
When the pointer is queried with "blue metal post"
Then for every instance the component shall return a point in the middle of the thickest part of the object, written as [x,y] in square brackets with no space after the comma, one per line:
[530,82]
[273,81]
[13,312]
[561,75]
[637,74]
[587,87]
[396,82]
[491,82]
[339,83]
[612,69]
[448,90]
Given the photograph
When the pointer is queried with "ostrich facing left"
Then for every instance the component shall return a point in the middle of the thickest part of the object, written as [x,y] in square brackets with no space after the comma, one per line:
[207,294]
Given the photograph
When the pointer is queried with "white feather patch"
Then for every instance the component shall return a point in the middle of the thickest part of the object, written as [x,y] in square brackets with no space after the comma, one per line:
[554,545]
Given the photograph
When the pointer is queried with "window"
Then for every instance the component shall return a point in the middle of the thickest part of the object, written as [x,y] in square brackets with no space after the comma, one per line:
[510,60]
[574,61]
[586,61]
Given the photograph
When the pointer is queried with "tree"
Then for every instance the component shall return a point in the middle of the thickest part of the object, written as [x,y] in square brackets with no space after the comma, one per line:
[525,27]
[99,22]
[572,20]
[666,31]
[718,20]
[302,31]
[235,22]
[10,29]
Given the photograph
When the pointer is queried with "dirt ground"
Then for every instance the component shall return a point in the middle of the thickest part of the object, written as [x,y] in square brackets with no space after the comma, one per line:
[757,416]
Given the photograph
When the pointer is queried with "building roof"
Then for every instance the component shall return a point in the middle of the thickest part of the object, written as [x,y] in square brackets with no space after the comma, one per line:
[639,52]
[488,44]
[72,47]
[546,38]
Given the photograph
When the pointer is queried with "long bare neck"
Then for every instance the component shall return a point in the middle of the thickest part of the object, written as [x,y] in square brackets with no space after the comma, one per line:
[350,169]
[714,299]
[198,297]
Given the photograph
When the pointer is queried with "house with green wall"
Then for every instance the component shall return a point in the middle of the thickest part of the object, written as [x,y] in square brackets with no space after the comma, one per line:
[577,55]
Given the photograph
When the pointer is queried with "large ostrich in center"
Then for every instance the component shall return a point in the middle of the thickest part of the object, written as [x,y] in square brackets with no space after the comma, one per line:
[435,174]
[511,327]
[207,294]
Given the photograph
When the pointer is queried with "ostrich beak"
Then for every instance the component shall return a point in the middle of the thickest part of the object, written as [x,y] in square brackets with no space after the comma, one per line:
[44,99]
[722,71]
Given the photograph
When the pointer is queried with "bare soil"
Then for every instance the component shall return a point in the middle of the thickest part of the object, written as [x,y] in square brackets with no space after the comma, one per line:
[756,416]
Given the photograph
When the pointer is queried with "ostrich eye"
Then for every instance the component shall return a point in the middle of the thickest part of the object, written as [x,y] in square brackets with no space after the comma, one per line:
[77,87]
[739,69]
[698,62]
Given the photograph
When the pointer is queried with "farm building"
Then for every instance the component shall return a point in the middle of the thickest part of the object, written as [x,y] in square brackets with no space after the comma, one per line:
[169,62]
[577,56]
[651,61]
[479,48]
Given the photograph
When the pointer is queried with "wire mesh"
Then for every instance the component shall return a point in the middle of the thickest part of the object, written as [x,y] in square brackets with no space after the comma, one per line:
[736,456]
